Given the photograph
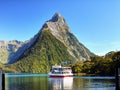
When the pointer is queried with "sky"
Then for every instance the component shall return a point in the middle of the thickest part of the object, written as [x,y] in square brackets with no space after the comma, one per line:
[95,23]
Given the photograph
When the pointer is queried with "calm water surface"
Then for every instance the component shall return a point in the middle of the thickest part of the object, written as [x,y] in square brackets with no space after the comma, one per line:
[43,82]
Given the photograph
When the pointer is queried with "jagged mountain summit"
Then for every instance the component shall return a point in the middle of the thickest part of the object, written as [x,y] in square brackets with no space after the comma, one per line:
[54,44]
[61,31]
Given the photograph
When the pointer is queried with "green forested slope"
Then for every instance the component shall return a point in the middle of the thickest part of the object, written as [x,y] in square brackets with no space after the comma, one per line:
[46,51]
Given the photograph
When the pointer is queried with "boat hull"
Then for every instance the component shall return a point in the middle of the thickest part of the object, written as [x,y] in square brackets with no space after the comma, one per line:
[60,75]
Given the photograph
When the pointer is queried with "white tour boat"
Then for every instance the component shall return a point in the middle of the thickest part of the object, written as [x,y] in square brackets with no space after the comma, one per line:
[59,71]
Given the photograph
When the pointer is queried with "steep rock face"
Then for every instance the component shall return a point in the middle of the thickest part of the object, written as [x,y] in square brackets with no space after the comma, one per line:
[8,49]
[61,31]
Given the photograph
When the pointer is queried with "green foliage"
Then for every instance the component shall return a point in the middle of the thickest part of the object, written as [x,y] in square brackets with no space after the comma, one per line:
[77,67]
[87,66]
[116,59]
[110,54]
[99,65]
[45,52]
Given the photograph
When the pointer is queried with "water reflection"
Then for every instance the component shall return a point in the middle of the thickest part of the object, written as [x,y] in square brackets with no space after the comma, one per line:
[43,82]
[20,82]
[61,83]
[94,83]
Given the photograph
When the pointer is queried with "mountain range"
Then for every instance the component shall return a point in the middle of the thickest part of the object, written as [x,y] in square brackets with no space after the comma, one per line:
[8,49]
[53,44]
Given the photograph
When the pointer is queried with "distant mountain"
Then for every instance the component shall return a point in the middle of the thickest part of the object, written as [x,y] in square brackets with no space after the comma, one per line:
[8,49]
[54,44]
[25,45]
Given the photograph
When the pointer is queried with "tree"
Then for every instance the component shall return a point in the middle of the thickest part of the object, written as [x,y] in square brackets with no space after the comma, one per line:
[77,67]
[116,59]
[87,65]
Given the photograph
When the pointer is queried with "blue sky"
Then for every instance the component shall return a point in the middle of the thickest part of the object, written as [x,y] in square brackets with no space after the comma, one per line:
[95,23]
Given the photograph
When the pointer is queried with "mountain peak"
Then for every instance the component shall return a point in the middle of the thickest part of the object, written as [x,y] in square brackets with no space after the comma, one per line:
[57,17]
[57,25]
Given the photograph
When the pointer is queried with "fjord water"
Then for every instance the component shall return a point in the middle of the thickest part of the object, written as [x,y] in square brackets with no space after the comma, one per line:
[43,82]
